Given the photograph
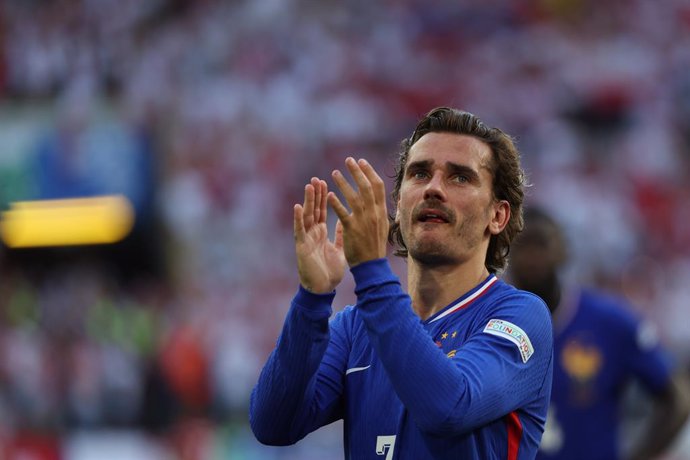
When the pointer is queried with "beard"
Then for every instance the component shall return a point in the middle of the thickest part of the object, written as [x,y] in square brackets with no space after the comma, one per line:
[451,243]
[431,253]
[438,250]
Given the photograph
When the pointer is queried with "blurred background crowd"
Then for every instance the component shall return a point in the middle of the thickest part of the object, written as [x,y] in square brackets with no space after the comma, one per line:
[211,115]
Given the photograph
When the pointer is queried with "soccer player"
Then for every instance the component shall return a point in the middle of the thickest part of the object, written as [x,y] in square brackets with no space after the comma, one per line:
[599,346]
[460,366]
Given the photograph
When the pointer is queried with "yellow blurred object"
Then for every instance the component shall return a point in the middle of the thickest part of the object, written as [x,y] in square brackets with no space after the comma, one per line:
[67,222]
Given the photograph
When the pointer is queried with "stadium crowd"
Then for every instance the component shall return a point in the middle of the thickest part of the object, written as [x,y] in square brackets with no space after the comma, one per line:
[234,105]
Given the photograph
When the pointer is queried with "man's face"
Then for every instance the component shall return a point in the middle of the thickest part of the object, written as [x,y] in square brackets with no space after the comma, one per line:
[446,206]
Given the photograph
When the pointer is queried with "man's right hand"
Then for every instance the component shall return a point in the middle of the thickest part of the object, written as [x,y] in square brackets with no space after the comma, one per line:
[320,262]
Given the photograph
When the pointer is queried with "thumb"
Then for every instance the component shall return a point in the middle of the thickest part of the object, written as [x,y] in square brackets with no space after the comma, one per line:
[338,239]
[298,222]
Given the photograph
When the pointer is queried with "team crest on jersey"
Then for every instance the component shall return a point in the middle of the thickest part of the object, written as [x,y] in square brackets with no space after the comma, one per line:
[581,362]
[510,331]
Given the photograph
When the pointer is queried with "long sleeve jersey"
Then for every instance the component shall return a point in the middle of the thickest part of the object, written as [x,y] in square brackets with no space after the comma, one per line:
[471,382]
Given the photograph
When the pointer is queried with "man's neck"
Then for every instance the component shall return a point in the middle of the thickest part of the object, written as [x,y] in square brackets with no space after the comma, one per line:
[433,288]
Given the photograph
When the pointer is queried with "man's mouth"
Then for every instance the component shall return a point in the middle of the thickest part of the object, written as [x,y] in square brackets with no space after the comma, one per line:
[434,216]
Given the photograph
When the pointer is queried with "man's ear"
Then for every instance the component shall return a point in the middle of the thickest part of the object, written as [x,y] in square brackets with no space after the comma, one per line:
[500,217]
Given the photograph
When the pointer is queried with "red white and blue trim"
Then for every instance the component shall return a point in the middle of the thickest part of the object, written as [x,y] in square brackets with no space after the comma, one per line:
[483,288]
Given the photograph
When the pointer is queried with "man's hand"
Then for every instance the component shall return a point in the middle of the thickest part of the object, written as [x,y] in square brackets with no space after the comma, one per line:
[320,262]
[365,230]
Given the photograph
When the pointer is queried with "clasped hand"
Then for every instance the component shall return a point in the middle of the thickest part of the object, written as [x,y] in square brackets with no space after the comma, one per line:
[361,233]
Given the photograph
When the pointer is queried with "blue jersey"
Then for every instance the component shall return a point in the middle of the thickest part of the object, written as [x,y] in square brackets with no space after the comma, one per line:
[471,382]
[598,348]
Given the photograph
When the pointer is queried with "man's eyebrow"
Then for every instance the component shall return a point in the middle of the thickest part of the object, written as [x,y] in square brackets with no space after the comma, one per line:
[453,168]
[419,164]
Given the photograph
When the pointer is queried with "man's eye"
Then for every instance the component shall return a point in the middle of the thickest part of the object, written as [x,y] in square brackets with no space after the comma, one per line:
[461,178]
[419,175]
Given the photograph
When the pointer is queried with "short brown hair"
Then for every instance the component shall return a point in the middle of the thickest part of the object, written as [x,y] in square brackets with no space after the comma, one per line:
[508,176]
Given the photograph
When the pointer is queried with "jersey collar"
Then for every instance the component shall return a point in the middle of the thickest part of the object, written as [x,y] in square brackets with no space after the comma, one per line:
[466,299]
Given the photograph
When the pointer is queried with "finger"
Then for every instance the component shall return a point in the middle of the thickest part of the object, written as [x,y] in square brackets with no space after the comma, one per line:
[316,183]
[308,214]
[350,194]
[338,207]
[362,181]
[377,184]
[324,201]
[338,239]
[298,222]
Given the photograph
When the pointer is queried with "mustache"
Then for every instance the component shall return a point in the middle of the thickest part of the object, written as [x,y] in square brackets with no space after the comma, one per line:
[433,205]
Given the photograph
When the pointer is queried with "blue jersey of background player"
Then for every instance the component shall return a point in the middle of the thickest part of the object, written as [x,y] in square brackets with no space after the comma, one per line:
[459,367]
[599,347]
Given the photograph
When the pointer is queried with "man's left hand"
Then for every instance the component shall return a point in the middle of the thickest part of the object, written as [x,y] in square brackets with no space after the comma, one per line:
[365,228]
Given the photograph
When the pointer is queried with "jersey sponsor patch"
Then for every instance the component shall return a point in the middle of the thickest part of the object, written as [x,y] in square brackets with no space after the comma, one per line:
[510,331]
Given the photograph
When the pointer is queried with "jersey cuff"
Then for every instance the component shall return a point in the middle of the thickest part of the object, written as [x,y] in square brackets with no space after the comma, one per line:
[372,273]
[314,302]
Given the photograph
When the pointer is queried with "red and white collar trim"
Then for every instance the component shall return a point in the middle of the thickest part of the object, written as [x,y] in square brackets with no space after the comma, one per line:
[468,300]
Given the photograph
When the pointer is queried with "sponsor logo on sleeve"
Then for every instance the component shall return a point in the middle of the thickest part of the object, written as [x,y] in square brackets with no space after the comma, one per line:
[510,331]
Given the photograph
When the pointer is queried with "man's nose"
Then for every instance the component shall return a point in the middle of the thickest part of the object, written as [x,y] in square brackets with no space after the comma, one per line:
[435,188]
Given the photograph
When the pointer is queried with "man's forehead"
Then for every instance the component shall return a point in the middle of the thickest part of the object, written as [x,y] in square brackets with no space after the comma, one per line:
[448,149]
[451,157]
